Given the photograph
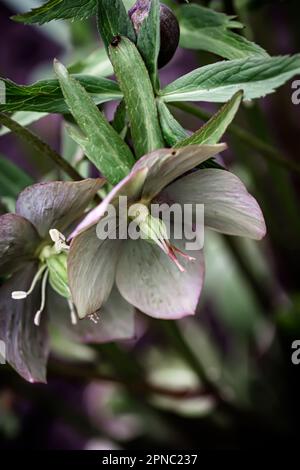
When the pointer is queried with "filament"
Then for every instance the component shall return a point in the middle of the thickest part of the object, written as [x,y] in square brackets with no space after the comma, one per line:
[20,295]
[37,318]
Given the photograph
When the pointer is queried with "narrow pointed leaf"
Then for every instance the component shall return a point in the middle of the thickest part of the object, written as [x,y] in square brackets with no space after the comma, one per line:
[138,94]
[214,129]
[205,29]
[103,146]
[113,20]
[45,96]
[218,82]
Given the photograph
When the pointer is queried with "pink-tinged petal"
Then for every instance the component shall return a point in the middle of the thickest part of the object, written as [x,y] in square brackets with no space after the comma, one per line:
[26,344]
[116,320]
[56,204]
[18,242]
[130,187]
[228,207]
[149,280]
[166,165]
[91,270]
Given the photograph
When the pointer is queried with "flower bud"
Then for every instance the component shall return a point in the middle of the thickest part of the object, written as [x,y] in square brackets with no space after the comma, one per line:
[169,28]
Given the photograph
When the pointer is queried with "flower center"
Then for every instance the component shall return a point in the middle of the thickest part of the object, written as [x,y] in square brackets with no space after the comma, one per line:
[53,266]
[154,230]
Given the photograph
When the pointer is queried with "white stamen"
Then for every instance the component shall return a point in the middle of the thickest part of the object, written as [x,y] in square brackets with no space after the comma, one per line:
[59,240]
[20,295]
[94,317]
[72,313]
[37,318]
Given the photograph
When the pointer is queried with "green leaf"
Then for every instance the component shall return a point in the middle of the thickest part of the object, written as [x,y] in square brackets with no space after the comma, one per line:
[172,131]
[62,9]
[45,96]
[113,20]
[214,129]
[205,29]
[58,9]
[12,179]
[218,82]
[100,142]
[148,42]
[138,93]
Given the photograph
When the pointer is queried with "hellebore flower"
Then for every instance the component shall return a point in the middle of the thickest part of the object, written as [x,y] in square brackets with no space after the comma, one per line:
[27,300]
[158,275]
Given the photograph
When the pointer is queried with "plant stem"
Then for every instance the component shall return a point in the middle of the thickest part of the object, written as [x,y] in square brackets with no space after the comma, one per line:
[42,147]
[266,150]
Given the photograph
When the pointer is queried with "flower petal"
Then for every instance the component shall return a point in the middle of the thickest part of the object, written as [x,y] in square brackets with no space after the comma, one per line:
[228,207]
[26,345]
[91,270]
[56,204]
[150,281]
[18,242]
[116,320]
[130,186]
[166,165]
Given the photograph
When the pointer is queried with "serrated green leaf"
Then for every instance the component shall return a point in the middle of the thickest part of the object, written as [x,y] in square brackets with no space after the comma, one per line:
[45,96]
[113,20]
[12,179]
[62,9]
[139,97]
[172,131]
[58,9]
[148,41]
[205,29]
[214,129]
[100,142]
[218,82]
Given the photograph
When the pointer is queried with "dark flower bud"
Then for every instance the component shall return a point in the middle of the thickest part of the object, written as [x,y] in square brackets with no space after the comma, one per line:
[169,28]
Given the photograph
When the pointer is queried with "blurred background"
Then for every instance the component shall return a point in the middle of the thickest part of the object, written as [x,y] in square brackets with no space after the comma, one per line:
[235,385]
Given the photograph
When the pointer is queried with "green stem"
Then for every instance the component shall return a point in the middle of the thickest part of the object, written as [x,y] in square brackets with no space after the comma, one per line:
[266,150]
[41,147]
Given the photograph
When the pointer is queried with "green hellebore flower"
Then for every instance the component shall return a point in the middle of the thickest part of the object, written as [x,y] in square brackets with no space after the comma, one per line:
[28,256]
[143,274]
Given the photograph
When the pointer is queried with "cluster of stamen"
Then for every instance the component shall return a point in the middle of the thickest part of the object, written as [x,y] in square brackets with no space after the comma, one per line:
[43,272]
[155,230]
